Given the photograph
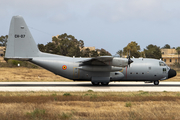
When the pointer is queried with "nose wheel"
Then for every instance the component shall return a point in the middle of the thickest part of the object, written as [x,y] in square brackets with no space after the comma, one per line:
[156,82]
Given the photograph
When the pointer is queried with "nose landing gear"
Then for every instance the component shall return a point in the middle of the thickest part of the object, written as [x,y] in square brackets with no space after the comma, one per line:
[156,82]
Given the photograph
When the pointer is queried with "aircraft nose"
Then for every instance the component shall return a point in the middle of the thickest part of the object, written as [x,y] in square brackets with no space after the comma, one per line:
[171,73]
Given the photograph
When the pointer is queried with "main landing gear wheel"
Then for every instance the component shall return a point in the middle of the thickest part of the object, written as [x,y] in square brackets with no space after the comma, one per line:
[95,83]
[156,82]
[104,83]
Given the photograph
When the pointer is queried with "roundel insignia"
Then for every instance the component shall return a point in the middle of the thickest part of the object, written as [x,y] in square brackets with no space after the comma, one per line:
[64,67]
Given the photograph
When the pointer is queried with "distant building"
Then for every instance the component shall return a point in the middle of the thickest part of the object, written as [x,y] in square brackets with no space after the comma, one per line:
[98,51]
[84,49]
[56,36]
[90,48]
[170,56]
[2,50]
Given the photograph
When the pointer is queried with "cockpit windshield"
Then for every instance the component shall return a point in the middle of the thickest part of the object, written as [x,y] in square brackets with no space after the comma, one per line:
[162,63]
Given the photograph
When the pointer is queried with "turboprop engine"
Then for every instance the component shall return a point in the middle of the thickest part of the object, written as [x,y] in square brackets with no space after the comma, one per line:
[121,62]
[109,64]
[107,61]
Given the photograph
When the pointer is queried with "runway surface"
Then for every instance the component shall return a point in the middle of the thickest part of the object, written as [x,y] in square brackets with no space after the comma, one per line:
[85,86]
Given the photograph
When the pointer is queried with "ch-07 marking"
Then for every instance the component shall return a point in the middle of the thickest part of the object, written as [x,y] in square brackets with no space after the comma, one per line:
[19,36]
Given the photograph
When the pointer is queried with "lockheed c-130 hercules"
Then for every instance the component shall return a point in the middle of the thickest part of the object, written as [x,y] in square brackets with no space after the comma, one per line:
[102,69]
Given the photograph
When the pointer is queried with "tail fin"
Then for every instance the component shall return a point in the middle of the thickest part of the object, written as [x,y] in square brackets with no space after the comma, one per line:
[20,43]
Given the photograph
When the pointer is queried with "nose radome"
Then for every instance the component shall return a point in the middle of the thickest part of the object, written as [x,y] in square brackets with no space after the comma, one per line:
[171,73]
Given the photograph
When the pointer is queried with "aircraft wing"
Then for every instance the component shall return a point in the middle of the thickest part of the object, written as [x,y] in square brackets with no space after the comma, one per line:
[102,60]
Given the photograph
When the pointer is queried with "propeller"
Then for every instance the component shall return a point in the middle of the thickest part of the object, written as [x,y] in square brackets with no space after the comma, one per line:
[129,59]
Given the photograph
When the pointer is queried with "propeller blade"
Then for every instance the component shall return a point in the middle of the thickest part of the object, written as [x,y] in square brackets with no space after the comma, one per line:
[129,59]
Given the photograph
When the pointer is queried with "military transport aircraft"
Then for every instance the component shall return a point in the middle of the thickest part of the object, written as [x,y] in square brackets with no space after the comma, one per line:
[103,69]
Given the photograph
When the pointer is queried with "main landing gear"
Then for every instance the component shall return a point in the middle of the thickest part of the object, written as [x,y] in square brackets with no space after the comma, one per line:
[98,83]
[156,82]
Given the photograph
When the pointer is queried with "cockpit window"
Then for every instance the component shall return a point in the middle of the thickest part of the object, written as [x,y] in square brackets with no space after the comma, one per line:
[162,64]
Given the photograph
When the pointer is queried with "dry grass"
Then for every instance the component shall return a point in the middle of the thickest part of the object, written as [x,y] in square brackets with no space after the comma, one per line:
[21,74]
[90,105]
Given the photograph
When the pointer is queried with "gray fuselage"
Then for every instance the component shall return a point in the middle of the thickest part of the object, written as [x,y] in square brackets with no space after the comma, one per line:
[141,69]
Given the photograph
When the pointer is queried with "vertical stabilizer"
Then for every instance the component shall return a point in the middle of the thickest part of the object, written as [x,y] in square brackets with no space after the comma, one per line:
[20,43]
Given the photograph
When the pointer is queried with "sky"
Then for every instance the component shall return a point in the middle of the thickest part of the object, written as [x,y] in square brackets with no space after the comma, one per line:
[108,24]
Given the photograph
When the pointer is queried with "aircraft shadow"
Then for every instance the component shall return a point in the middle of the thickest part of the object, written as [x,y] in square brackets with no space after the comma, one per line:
[88,85]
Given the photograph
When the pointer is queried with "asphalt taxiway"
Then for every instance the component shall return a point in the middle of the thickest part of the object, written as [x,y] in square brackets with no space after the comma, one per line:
[85,86]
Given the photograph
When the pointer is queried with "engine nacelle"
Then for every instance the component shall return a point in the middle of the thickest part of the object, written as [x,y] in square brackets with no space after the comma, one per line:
[119,62]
